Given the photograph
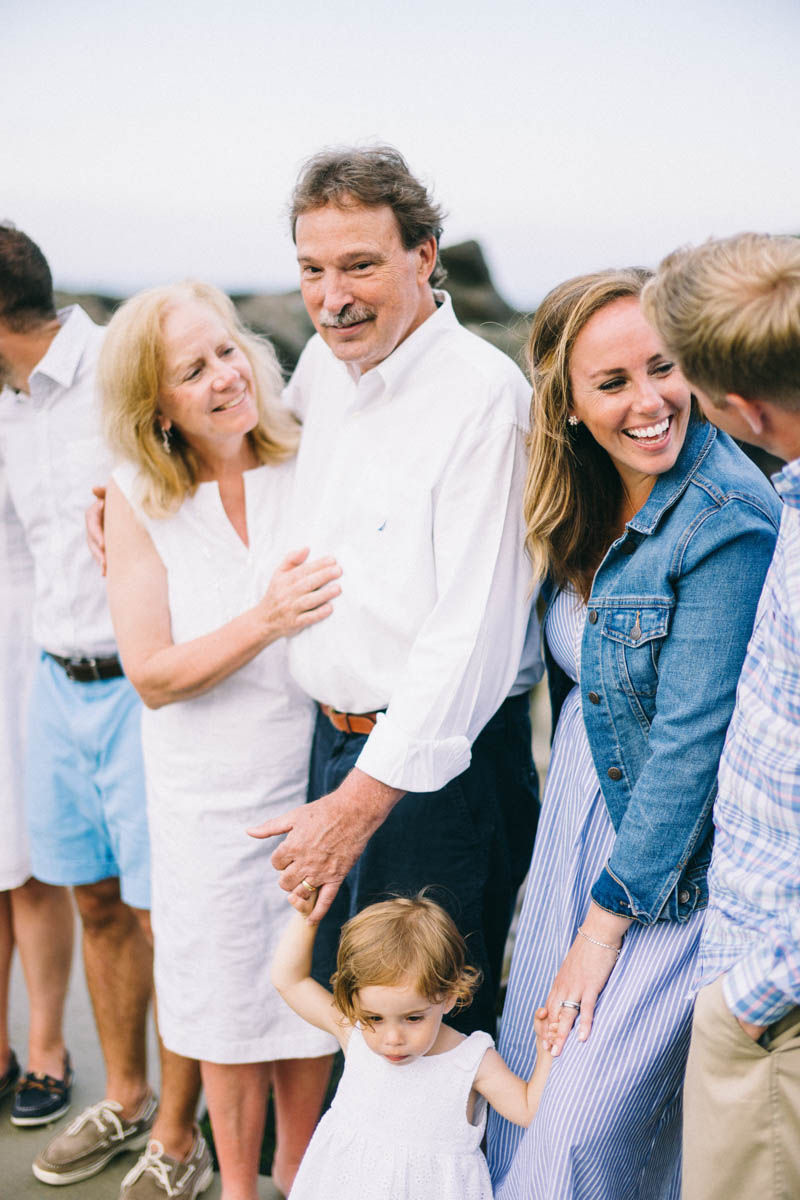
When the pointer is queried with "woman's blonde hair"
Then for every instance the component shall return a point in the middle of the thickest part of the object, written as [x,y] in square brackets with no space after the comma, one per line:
[572,490]
[403,938]
[130,377]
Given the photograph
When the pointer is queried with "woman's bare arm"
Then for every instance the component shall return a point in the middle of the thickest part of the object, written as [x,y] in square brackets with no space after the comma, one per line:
[299,594]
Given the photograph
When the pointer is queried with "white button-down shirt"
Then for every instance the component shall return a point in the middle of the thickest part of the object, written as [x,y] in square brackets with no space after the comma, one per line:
[16,663]
[54,451]
[411,475]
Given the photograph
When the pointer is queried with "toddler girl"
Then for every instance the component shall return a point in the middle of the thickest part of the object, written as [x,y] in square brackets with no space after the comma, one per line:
[409,1114]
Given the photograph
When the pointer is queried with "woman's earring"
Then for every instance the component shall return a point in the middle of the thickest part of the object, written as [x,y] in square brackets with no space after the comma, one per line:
[572,420]
[165,442]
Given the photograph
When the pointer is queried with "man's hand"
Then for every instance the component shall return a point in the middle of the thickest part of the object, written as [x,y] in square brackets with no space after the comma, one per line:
[95,527]
[752,1031]
[325,838]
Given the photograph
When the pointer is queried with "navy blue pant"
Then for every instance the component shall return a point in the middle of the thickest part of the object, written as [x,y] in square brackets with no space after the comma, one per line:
[470,842]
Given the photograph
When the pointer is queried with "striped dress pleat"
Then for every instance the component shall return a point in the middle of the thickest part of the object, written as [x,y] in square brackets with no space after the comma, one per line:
[609,1124]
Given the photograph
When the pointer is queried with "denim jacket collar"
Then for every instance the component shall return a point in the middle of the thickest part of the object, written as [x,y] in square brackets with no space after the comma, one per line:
[669,487]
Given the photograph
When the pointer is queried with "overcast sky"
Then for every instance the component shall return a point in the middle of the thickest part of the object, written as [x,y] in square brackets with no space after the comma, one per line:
[145,142]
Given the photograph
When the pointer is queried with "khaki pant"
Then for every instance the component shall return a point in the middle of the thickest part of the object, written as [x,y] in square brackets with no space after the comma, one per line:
[741,1107]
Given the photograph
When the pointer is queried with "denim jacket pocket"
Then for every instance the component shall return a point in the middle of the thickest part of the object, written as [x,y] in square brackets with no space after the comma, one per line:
[638,632]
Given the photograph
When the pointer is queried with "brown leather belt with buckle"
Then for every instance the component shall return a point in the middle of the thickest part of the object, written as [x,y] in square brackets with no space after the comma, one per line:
[88,670]
[350,722]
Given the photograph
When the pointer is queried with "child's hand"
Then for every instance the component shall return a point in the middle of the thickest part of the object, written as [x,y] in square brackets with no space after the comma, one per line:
[545,1032]
[540,1022]
[302,904]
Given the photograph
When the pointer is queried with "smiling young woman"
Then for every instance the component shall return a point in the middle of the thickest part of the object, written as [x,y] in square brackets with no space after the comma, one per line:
[644,525]
[632,400]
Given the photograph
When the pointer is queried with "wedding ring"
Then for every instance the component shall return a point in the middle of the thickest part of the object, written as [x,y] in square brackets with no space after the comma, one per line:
[309,887]
[570,1004]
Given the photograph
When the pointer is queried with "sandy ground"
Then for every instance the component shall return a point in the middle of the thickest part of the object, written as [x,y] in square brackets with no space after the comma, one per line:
[19,1147]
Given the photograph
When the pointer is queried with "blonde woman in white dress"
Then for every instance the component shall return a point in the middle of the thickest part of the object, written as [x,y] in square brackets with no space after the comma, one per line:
[203,595]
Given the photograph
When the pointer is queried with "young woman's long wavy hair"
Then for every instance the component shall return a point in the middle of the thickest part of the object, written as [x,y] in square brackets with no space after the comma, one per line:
[572,490]
[130,372]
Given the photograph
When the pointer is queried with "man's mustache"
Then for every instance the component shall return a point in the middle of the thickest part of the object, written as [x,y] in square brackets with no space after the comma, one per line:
[351,314]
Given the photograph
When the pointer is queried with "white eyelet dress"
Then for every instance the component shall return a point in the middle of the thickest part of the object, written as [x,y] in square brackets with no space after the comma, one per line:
[215,765]
[400,1132]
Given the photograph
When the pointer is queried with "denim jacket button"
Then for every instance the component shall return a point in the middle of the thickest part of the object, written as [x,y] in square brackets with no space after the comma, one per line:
[592,616]
[683,897]
[594,698]
[614,773]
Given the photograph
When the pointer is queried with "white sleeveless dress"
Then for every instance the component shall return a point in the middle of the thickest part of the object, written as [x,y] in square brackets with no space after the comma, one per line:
[215,765]
[400,1133]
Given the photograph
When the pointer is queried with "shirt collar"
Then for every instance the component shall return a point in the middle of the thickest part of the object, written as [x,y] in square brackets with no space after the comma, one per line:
[387,375]
[787,483]
[700,436]
[60,363]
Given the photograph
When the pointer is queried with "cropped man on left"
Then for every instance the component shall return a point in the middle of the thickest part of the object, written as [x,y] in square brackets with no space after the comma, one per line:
[34,916]
[84,781]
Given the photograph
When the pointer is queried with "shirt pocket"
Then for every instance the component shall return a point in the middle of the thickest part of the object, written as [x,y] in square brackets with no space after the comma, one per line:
[636,633]
[391,525]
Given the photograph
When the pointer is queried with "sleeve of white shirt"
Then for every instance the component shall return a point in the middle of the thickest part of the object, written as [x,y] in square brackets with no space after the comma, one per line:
[16,566]
[466,655]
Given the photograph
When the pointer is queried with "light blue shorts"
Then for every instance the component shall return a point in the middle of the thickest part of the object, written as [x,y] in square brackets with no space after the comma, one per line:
[84,783]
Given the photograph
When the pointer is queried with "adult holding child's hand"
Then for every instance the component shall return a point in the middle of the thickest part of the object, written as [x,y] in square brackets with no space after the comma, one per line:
[652,534]
[326,837]
[203,596]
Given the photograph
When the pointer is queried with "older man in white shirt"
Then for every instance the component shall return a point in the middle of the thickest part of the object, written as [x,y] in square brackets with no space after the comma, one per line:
[410,472]
[84,778]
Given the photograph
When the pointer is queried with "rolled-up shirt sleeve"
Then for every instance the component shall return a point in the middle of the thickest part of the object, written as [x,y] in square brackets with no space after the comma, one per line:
[765,984]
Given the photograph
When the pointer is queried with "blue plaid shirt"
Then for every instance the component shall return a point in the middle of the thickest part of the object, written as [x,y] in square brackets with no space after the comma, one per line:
[752,930]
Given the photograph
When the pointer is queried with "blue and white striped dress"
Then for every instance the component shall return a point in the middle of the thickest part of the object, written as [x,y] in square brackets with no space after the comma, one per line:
[609,1124]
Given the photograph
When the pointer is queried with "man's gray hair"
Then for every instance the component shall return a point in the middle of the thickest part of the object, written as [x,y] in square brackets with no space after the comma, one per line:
[372,176]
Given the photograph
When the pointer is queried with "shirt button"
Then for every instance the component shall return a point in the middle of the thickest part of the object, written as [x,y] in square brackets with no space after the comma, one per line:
[683,897]
[594,698]
[592,616]
[614,773]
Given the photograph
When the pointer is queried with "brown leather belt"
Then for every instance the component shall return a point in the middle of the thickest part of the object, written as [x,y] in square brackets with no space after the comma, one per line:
[88,670]
[350,722]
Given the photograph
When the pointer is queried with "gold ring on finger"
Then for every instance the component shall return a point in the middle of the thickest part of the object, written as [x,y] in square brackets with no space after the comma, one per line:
[309,887]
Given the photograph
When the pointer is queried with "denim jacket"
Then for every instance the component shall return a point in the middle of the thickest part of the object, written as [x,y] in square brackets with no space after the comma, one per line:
[669,617]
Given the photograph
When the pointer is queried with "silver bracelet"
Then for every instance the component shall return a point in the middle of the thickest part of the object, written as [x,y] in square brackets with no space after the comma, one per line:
[617,949]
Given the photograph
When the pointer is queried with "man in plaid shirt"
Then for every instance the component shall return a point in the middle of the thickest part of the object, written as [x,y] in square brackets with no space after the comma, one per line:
[730,312]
